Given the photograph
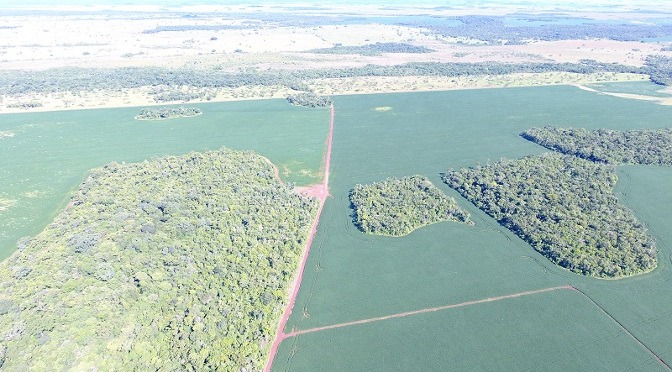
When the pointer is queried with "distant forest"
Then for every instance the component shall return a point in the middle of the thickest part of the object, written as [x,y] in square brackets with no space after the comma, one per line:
[78,79]
[495,30]
[486,29]
[372,49]
[644,146]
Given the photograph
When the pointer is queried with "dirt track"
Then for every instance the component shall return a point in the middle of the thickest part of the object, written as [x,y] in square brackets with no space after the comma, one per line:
[319,191]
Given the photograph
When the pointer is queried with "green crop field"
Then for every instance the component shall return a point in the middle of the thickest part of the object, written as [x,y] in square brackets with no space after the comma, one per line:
[539,332]
[47,155]
[352,276]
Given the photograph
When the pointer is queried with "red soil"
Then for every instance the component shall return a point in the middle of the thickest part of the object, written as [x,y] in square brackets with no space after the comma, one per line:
[319,191]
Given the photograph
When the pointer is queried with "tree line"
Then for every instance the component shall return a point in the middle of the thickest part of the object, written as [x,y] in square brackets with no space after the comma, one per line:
[659,69]
[643,146]
[78,79]
[372,49]
[495,30]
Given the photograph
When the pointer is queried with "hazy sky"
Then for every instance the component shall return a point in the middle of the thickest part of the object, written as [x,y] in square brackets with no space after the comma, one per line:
[564,4]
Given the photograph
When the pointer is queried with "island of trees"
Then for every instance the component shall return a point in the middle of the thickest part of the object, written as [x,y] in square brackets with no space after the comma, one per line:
[309,99]
[164,113]
[178,263]
[372,49]
[644,146]
[397,206]
[562,206]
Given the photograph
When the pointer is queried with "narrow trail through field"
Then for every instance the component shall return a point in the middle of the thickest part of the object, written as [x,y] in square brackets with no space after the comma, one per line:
[664,364]
[627,331]
[319,191]
[423,311]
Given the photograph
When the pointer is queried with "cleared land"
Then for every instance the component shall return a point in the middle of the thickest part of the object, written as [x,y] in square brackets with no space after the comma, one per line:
[493,335]
[351,276]
[257,38]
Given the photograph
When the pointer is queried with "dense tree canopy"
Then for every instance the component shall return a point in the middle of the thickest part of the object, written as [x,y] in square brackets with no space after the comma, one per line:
[163,113]
[564,207]
[659,69]
[178,263]
[397,206]
[309,100]
[644,146]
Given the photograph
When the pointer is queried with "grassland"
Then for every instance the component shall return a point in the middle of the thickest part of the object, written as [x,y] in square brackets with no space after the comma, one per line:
[351,276]
[51,153]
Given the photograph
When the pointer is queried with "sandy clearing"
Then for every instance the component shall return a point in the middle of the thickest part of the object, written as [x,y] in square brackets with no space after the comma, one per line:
[666,101]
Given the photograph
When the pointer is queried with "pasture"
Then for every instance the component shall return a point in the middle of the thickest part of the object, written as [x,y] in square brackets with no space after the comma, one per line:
[352,276]
[50,153]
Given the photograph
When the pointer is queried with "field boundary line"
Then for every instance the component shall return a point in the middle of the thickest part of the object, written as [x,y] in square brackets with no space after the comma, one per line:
[627,331]
[321,192]
[294,333]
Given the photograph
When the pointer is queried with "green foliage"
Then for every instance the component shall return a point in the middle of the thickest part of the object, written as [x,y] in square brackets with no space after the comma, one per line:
[643,146]
[81,79]
[564,207]
[397,206]
[659,69]
[309,100]
[178,263]
[163,113]
[25,105]
[373,49]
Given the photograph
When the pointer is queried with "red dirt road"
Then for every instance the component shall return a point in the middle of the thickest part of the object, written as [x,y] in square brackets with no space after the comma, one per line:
[319,191]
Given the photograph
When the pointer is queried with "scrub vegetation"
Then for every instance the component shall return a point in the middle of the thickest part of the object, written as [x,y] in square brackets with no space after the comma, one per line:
[372,49]
[164,113]
[76,79]
[178,263]
[643,146]
[309,100]
[397,206]
[562,206]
